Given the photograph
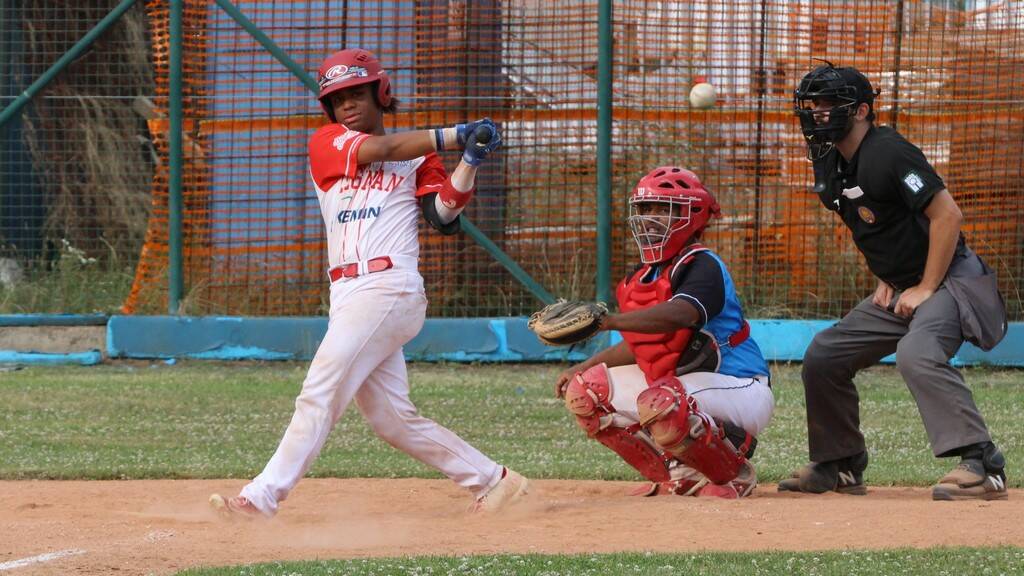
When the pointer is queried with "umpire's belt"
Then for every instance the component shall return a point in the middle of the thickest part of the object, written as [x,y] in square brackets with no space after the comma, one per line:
[351,270]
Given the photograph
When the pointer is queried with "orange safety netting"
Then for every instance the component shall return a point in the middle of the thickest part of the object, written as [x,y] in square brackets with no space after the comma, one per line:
[951,81]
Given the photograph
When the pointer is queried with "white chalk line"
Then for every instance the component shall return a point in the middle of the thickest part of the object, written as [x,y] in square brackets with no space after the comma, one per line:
[49,556]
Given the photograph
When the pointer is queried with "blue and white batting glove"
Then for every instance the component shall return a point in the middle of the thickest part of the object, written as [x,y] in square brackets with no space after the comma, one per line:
[482,141]
[455,137]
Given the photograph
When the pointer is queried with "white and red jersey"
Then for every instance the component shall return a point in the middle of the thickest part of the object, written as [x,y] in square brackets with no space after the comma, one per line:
[369,210]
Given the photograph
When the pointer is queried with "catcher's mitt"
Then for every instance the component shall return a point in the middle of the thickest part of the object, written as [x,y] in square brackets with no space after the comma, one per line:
[566,322]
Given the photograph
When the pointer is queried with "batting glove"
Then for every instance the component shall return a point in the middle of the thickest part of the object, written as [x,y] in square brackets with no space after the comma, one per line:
[482,141]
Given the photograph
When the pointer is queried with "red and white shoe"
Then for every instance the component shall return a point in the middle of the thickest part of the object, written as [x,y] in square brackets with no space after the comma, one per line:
[234,507]
[725,491]
[685,481]
[746,481]
[510,489]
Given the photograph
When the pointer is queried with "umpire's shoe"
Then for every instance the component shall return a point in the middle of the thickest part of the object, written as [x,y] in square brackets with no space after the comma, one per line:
[979,476]
[845,476]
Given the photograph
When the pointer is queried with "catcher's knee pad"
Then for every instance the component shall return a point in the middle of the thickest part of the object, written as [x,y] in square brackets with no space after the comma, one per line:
[663,412]
[588,397]
[691,436]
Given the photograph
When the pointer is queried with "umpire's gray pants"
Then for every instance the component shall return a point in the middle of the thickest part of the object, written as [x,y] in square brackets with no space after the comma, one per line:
[923,347]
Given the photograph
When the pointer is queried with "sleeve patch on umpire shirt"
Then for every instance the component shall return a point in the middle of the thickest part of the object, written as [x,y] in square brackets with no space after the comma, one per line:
[913,182]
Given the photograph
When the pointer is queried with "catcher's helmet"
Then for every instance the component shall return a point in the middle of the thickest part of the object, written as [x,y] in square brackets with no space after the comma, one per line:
[690,205]
[351,68]
[845,89]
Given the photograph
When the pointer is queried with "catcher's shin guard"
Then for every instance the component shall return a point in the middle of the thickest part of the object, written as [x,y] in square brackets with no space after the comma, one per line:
[691,436]
[588,397]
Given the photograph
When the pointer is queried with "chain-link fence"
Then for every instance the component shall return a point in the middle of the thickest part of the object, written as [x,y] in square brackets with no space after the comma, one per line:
[77,162]
[86,161]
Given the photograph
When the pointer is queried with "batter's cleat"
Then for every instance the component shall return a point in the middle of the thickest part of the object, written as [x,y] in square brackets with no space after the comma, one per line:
[845,476]
[510,489]
[235,507]
[970,481]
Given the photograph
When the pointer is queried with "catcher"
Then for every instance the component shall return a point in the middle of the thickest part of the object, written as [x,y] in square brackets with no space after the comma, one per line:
[683,396]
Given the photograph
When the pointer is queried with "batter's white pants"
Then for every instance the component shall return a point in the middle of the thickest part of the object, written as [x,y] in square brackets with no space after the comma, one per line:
[360,357]
[745,402]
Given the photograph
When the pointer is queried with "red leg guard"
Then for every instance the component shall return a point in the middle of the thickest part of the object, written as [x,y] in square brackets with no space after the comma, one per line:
[681,430]
[588,397]
[633,446]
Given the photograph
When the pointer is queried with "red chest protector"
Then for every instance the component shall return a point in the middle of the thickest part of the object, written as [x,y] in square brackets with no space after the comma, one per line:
[656,354]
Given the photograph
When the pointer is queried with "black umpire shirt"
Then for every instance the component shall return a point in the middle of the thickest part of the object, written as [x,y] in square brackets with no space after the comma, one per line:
[881,195]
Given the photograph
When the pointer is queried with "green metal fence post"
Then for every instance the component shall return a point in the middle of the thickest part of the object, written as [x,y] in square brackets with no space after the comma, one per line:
[518,273]
[68,57]
[174,199]
[269,44]
[604,151]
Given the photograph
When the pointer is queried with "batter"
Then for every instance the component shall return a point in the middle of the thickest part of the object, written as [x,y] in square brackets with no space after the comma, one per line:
[372,188]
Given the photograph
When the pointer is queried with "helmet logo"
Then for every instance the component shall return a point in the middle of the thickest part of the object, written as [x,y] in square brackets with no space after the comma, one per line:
[335,71]
[341,72]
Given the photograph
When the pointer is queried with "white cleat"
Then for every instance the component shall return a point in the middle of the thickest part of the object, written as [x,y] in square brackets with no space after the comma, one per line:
[233,508]
[510,489]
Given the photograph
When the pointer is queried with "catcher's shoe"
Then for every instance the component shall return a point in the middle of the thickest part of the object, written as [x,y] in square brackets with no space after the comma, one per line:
[746,481]
[234,507]
[510,489]
[740,487]
[685,481]
[725,491]
[970,481]
[845,476]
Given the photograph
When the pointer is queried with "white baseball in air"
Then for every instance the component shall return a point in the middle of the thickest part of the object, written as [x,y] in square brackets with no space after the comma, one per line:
[702,96]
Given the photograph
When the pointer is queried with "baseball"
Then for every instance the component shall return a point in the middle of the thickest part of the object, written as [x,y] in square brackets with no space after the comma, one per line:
[702,95]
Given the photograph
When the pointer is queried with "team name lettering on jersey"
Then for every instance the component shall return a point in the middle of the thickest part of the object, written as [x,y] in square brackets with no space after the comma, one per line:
[367,179]
[360,214]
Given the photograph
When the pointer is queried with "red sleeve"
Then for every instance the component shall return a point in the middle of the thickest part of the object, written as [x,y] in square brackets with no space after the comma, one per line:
[431,175]
[333,150]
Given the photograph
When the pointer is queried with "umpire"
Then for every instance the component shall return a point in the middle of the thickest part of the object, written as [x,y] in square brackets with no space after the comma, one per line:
[933,293]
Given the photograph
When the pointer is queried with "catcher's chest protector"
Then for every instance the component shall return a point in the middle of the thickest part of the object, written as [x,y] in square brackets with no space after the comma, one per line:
[657,355]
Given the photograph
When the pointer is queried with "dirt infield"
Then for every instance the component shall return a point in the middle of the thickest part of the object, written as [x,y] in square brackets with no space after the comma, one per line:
[160,526]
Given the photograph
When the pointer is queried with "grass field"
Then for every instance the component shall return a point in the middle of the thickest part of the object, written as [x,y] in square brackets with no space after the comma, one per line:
[938,562]
[209,420]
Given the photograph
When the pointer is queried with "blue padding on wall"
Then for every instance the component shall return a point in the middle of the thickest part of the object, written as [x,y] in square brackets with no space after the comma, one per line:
[40,358]
[214,338]
[785,340]
[53,319]
[466,339]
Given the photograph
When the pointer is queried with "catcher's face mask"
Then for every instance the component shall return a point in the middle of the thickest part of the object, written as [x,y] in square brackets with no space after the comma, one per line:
[668,207]
[655,224]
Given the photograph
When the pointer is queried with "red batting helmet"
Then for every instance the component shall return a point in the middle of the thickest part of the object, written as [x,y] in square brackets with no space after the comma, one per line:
[351,68]
[690,208]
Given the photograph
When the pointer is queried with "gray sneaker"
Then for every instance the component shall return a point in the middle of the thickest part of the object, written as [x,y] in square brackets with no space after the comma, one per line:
[970,481]
[845,476]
